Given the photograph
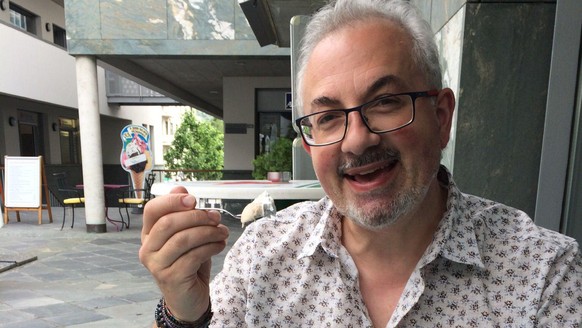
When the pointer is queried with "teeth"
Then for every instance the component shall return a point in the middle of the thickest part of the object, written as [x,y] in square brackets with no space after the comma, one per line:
[373,170]
[355,171]
[368,172]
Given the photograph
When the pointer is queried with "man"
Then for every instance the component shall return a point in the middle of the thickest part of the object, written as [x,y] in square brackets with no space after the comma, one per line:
[394,243]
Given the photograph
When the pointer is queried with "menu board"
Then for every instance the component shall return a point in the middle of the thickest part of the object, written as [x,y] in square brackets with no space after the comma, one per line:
[22,184]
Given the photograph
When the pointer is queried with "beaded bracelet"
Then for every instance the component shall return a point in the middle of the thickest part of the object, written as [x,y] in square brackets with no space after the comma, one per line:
[165,319]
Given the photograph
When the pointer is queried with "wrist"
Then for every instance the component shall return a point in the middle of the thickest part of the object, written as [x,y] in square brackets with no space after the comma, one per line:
[165,319]
[188,308]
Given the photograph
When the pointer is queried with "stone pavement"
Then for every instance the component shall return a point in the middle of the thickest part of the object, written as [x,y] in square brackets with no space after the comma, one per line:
[78,279]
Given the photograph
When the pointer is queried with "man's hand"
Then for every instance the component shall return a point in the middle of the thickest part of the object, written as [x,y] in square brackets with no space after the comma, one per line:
[177,244]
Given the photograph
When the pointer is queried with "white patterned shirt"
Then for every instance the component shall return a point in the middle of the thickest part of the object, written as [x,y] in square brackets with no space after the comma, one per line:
[487,266]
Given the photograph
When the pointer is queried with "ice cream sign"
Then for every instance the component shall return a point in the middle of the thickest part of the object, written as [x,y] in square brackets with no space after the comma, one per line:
[136,157]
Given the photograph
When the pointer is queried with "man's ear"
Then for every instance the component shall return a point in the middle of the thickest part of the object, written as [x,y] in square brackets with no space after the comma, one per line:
[445,108]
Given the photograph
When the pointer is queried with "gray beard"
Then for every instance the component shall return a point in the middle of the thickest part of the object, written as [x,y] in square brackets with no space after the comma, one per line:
[384,216]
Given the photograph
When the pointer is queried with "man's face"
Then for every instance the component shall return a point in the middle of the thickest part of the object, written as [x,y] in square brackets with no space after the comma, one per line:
[374,179]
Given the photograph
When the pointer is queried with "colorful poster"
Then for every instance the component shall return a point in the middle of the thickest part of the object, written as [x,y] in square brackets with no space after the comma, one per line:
[136,156]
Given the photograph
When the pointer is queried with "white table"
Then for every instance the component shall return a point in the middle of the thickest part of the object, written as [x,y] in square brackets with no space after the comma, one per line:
[245,189]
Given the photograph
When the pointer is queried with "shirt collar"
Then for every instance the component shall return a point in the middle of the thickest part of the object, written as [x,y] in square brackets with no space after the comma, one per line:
[327,232]
[454,239]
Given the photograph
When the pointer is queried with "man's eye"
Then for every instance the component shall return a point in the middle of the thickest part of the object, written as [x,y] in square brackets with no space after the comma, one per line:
[329,118]
[387,102]
[387,105]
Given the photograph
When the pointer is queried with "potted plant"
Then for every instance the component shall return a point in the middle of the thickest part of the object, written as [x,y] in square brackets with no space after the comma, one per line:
[279,159]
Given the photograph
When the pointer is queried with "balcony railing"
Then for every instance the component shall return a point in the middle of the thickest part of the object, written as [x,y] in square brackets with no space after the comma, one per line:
[121,90]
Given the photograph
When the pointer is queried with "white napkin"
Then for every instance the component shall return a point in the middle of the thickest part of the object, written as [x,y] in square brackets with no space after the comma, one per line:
[262,206]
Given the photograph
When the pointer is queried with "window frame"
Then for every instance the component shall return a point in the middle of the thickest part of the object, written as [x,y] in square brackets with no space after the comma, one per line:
[29,18]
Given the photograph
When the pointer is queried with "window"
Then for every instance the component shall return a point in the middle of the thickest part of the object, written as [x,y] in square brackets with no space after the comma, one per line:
[168,126]
[59,36]
[23,19]
[274,119]
[166,123]
[70,141]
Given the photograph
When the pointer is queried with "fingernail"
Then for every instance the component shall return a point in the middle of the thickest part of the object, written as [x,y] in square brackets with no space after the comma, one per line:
[214,215]
[189,201]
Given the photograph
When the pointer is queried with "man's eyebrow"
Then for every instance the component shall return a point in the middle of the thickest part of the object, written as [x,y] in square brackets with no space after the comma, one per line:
[378,84]
[325,101]
[382,82]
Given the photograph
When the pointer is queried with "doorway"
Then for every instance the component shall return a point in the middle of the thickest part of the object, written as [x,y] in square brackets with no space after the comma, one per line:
[273,119]
[30,132]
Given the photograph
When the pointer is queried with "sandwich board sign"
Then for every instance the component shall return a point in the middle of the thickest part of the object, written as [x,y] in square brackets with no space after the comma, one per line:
[24,183]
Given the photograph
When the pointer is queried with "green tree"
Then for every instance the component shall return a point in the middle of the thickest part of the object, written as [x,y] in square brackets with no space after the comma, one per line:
[198,145]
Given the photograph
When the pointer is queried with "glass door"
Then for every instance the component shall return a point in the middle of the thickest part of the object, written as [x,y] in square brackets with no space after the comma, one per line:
[273,119]
[29,133]
[70,140]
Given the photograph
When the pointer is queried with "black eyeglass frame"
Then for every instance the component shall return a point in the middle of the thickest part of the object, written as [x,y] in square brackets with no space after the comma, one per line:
[413,96]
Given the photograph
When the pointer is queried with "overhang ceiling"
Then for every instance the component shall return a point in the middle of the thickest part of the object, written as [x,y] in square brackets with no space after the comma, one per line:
[279,14]
[197,81]
[194,81]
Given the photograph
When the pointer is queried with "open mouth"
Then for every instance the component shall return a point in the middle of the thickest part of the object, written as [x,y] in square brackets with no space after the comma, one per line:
[371,172]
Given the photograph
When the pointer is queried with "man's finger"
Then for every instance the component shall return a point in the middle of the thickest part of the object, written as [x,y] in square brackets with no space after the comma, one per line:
[173,223]
[192,246]
[179,190]
[176,201]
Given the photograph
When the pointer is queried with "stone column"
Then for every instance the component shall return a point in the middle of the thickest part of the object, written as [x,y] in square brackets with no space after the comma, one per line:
[90,128]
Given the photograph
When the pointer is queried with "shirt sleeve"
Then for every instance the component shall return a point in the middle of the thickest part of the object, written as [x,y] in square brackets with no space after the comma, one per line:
[228,290]
[561,302]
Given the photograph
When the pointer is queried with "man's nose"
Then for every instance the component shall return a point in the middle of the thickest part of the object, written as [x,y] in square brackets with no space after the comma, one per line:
[358,137]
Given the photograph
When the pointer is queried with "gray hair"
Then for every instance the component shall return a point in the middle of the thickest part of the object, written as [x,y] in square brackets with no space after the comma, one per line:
[340,13]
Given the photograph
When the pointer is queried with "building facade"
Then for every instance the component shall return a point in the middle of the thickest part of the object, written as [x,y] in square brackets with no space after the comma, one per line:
[58,92]
[514,66]
[38,92]
[39,97]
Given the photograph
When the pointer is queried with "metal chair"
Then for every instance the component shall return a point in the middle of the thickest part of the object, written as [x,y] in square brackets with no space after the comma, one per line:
[66,195]
[131,197]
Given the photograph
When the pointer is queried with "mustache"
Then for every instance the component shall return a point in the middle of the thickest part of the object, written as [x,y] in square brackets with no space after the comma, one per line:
[370,156]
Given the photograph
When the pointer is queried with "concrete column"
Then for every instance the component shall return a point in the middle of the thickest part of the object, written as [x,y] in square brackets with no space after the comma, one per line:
[90,128]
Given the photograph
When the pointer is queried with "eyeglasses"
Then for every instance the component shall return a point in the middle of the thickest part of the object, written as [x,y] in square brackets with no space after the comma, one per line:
[385,114]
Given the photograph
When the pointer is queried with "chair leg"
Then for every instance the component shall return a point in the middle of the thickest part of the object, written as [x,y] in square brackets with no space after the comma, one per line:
[121,216]
[73,223]
[64,213]
[127,212]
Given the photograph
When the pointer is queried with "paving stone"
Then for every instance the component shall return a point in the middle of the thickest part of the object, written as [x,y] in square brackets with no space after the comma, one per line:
[143,296]
[102,302]
[33,301]
[75,318]
[80,279]
[10,315]
[35,323]
[53,310]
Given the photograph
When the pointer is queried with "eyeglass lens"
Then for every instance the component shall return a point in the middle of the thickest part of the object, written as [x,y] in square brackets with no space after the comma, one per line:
[380,115]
